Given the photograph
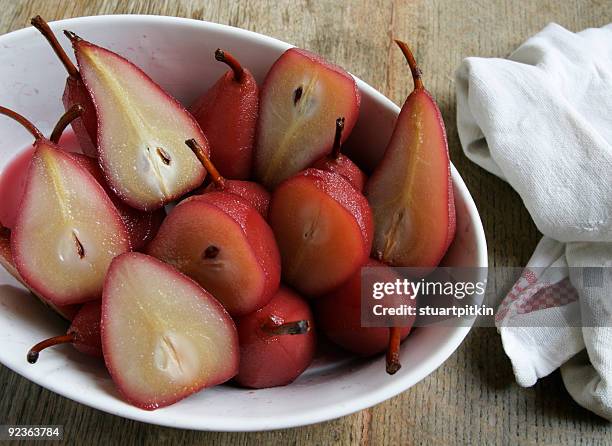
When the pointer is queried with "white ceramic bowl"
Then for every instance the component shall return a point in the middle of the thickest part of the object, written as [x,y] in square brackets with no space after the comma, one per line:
[177,53]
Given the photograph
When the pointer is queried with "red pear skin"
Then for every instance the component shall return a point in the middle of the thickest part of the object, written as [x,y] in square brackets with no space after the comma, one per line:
[341,164]
[227,114]
[338,316]
[268,359]
[141,226]
[86,126]
[163,336]
[144,158]
[301,93]
[253,193]
[323,228]
[68,312]
[86,329]
[223,243]
[410,191]
[83,333]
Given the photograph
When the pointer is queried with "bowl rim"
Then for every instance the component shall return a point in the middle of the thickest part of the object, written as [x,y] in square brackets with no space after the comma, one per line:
[399,384]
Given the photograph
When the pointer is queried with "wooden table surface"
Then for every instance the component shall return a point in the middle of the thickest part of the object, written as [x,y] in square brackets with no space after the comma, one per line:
[472,398]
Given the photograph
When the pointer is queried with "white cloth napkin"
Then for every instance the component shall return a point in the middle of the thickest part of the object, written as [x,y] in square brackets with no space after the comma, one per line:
[542,121]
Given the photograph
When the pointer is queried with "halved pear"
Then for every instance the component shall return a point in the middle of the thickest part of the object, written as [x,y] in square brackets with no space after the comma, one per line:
[323,227]
[411,191]
[6,260]
[67,229]
[301,95]
[141,130]
[163,336]
[224,244]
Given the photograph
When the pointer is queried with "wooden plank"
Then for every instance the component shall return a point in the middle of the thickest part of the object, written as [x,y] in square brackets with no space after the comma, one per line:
[472,398]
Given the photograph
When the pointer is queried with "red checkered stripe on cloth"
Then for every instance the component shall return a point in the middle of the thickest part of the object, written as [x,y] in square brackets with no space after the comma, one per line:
[530,294]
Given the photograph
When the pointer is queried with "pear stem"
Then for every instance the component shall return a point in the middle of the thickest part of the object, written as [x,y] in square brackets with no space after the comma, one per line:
[414,68]
[35,351]
[232,62]
[70,115]
[288,328]
[72,36]
[393,363]
[23,121]
[216,177]
[41,25]
[337,138]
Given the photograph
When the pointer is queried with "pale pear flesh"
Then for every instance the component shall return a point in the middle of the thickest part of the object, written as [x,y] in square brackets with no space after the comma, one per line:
[67,229]
[163,336]
[6,260]
[141,131]
[301,96]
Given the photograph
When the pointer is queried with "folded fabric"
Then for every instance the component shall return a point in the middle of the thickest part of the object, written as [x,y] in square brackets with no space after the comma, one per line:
[542,121]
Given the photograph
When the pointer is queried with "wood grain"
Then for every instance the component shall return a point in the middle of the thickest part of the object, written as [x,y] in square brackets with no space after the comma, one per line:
[472,398]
